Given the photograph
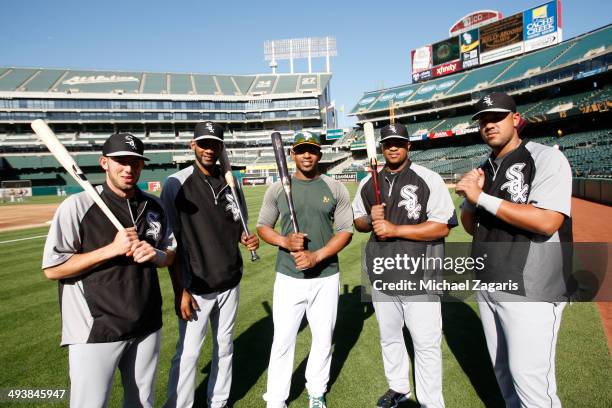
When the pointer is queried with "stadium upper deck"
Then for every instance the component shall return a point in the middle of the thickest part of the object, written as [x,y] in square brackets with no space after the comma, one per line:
[588,54]
[169,103]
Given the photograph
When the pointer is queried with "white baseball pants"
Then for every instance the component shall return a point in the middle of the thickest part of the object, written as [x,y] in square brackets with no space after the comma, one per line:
[93,365]
[221,308]
[423,318]
[522,338]
[293,297]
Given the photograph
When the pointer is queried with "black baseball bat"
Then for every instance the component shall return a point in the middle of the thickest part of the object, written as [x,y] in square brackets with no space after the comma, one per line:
[226,167]
[283,173]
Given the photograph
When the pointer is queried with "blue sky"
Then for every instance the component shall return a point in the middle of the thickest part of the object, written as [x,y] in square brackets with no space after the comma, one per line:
[374,37]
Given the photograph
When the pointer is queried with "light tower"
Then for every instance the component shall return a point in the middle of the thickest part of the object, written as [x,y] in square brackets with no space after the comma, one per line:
[299,48]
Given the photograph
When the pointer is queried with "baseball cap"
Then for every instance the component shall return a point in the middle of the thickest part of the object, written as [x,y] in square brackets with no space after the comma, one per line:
[494,102]
[123,144]
[208,130]
[394,131]
[306,138]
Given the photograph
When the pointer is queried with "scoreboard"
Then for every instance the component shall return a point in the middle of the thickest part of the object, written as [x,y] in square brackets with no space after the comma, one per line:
[477,43]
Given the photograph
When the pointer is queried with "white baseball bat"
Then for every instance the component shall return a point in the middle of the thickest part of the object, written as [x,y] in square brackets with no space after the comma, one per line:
[370,141]
[65,159]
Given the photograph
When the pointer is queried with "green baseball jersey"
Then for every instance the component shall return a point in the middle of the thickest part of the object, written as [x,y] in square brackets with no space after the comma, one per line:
[319,205]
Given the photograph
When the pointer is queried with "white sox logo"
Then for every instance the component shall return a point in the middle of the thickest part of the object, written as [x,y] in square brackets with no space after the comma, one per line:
[516,183]
[488,101]
[410,201]
[154,229]
[232,207]
[129,140]
[210,128]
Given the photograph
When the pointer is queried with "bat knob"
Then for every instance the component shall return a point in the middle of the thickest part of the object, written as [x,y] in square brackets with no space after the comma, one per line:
[254,256]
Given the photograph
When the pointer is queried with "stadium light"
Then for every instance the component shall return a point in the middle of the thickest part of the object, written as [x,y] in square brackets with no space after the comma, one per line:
[299,48]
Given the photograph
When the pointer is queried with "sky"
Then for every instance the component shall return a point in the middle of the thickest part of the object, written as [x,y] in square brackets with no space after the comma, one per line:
[374,38]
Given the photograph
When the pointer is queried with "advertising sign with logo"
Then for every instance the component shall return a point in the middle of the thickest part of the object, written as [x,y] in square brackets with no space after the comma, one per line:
[421,59]
[470,42]
[344,177]
[447,69]
[474,20]
[445,51]
[541,26]
[421,76]
[437,135]
[501,39]
[254,181]
[334,134]
[154,186]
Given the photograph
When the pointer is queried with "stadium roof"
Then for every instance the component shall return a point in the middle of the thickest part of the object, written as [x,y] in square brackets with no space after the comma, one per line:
[569,52]
[42,82]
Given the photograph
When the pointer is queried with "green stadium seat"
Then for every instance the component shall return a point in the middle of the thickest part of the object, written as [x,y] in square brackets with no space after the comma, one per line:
[205,85]
[598,39]
[244,83]
[17,76]
[154,83]
[525,63]
[44,80]
[286,84]
[180,84]
[226,85]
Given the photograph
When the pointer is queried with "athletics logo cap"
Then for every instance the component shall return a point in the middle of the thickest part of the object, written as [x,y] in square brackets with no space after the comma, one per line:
[394,131]
[494,102]
[208,130]
[306,138]
[123,144]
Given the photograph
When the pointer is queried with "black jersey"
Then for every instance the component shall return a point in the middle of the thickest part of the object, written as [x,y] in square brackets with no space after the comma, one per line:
[206,222]
[540,265]
[119,299]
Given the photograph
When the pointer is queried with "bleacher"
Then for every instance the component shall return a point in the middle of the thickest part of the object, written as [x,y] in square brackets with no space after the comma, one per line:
[80,81]
[489,76]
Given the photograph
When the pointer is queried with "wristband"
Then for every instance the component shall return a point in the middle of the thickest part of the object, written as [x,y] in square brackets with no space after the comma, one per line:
[489,203]
[160,258]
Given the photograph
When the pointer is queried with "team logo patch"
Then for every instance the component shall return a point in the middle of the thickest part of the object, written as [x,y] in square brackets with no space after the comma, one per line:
[129,140]
[488,101]
[410,201]
[325,199]
[232,207]
[154,229]
[516,183]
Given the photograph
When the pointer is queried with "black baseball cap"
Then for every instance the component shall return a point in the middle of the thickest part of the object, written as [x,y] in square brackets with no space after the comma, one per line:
[208,130]
[394,131]
[123,144]
[494,102]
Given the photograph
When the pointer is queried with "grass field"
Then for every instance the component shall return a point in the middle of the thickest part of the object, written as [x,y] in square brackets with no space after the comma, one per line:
[30,333]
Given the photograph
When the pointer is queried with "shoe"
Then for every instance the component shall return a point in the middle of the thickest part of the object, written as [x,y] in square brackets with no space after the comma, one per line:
[391,398]
[316,402]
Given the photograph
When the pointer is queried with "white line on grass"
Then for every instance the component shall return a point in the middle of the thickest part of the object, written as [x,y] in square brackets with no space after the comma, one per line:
[22,239]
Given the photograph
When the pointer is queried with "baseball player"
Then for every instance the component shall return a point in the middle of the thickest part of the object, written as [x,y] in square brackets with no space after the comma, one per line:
[517,207]
[415,214]
[307,278]
[208,268]
[110,299]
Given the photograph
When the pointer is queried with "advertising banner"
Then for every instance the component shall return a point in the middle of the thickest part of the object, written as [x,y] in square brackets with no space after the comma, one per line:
[473,20]
[254,181]
[501,34]
[421,76]
[421,59]
[540,26]
[345,177]
[437,135]
[469,45]
[446,69]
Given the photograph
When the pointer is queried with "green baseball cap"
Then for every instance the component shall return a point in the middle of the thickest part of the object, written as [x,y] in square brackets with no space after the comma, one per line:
[306,138]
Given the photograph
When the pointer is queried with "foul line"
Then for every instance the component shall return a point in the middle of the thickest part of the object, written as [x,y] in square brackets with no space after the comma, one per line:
[21,239]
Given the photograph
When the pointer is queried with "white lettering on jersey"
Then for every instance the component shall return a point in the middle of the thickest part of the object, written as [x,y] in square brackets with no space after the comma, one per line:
[232,206]
[410,201]
[516,183]
[154,229]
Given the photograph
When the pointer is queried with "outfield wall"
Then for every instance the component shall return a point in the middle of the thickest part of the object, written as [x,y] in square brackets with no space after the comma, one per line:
[598,190]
